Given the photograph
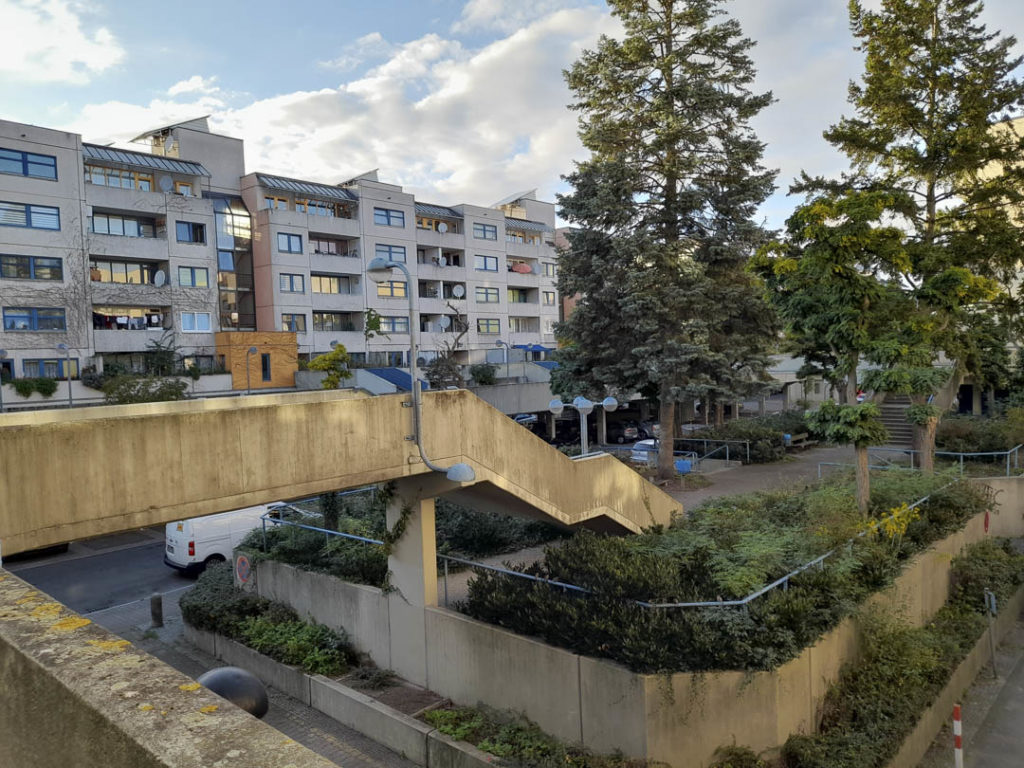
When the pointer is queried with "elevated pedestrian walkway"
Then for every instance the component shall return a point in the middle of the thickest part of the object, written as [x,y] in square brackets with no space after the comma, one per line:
[73,474]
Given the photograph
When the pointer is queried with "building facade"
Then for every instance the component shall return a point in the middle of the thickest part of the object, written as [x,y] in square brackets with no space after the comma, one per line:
[107,255]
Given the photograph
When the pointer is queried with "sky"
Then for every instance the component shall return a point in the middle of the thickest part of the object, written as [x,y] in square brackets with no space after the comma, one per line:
[456,100]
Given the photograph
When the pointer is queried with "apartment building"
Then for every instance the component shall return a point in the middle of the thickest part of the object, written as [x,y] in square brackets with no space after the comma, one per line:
[114,252]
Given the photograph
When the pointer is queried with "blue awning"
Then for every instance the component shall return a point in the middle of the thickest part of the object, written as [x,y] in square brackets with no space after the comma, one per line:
[533,347]
[549,364]
[401,379]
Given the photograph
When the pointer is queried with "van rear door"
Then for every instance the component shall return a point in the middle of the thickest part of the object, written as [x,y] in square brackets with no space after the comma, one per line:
[177,536]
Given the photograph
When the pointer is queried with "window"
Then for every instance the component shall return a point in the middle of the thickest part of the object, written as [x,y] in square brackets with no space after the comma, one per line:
[275,203]
[388,217]
[521,324]
[486,263]
[330,284]
[183,188]
[394,324]
[225,261]
[448,291]
[292,283]
[193,277]
[34,319]
[125,272]
[28,164]
[125,226]
[34,216]
[31,268]
[291,322]
[428,290]
[485,231]
[190,232]
[550,269]
[549,298]
[195,322]
[518,295]
[434,225]
[392,289]
[320,208]
[289,243]
[113,177]
[333,321]
[488,325]
[487,295]
[327,247]
[127,318]
[390,252]
[265,365]
[49,368]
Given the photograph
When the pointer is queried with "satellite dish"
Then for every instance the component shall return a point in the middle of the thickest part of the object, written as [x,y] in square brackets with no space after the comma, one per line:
[160,278]
[458,291]
[166,183]
[442,227]
[445,322]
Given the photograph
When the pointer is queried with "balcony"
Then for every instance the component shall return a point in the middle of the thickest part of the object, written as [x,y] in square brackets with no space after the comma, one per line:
[326,225]
[524,250]
[138,248]
[524,308]
[346,265]
[338,302]
[126,341]
[118,199]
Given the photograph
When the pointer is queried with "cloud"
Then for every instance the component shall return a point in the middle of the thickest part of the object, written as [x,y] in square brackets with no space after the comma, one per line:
[508,15]
[195,84]
[371,47]
[44,41]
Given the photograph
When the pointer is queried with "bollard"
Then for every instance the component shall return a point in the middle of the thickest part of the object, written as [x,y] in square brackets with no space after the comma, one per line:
[990,611]
[958,744]
[156,609]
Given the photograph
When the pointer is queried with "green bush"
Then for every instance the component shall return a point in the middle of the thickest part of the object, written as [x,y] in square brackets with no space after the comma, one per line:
[764,433]
[737,757]
[123,390]
[963,433]
[519,741]
[878,701]
[484,374]
[214,604]
[26,386]
[726,549]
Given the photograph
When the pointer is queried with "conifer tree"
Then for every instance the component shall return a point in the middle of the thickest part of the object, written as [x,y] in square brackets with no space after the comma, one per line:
[664,212]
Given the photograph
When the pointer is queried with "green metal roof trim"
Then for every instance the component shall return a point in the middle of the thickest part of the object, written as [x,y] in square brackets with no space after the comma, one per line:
[532,226]
[305,187]
[142,160]
[438,211]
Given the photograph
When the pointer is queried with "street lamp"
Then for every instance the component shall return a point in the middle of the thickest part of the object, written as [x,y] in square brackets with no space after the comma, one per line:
[379,270]
[67,371]
[584,407]
[499,343]
[248,353]
[3,354]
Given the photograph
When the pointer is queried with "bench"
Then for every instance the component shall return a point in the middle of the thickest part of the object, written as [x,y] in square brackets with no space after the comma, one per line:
[800,440]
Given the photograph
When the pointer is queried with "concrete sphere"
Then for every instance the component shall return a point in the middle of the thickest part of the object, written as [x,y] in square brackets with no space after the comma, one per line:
[241,688]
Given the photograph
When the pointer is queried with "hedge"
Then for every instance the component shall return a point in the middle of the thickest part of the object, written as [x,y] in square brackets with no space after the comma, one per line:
[764,433]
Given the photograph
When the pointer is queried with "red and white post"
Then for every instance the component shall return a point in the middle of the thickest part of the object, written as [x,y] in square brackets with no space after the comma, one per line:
[958,739]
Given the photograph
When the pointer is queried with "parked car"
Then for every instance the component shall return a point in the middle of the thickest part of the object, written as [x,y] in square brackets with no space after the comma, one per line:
[649,429]
[644,451]
[191,545]
[622,432]
[526,419]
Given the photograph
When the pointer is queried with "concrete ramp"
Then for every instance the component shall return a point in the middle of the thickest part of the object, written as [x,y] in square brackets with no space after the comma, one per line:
[74,474]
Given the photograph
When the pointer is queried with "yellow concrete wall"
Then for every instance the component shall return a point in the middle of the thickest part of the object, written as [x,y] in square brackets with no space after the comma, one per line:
[72,474]
[282,347]
[74,694]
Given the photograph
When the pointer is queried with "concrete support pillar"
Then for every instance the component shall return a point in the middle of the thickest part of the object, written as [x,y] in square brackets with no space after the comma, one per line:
[976,400]
[602,426]
[736,408]
[413,566]
[549,419]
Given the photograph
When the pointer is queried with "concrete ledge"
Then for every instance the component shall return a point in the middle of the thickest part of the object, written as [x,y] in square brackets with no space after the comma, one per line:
[290,680]
[75,694]
[941,712]
[395,730]
[201,639]
[444,752]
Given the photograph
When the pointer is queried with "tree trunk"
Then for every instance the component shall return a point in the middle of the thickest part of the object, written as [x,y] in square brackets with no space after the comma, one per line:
[667,419]
[719,413]
[924,435]
[863,480]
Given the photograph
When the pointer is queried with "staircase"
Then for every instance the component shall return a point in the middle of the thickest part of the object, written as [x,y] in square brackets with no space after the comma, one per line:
[894,417]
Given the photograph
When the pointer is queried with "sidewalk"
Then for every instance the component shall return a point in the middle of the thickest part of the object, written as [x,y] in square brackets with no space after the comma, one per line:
[310,728]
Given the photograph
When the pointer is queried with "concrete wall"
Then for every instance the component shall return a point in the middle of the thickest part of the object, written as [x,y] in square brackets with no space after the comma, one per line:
[75,694]
[517,398]
[168,461]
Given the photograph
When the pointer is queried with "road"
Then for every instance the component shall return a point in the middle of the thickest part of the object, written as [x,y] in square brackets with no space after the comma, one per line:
[103,572]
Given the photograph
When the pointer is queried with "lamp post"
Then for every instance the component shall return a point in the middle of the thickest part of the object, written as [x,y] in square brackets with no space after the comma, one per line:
[248,353]
[379,270]
[3,354]
[499,343]
[67,371]
[584,407]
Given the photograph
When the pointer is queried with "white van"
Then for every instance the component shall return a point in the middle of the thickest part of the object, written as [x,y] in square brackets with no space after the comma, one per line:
[191,545]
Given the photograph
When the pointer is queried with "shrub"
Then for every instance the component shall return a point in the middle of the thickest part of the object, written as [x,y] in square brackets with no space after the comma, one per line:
[26,386]
[214,604]
[737,757]
[123,390]
[725,550]
[484,374]
[765,434]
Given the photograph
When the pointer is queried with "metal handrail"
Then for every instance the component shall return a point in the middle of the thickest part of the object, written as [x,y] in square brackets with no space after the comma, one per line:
[1014,452]
[706,440]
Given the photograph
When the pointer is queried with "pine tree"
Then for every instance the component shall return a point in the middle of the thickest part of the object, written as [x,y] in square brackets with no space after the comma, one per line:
[664,210]
[929,129]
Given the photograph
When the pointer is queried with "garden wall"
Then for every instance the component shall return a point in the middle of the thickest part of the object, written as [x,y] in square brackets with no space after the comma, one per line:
[679,719]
